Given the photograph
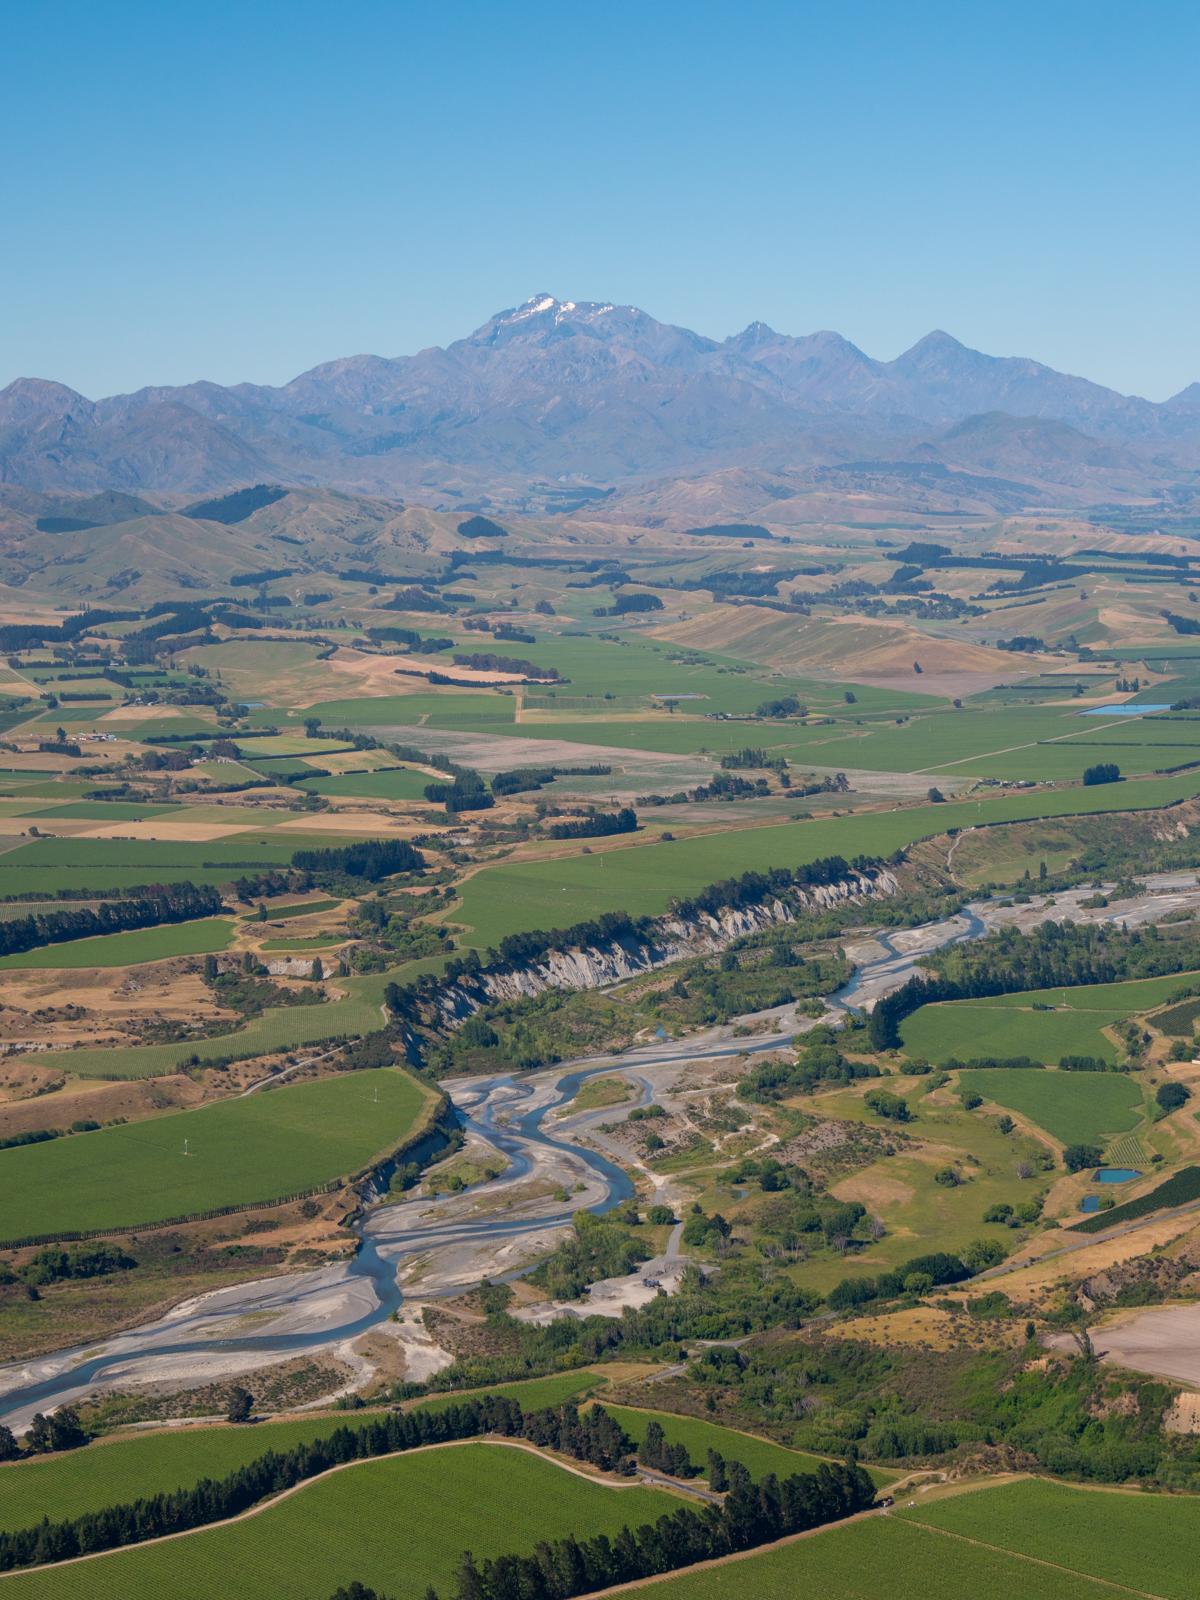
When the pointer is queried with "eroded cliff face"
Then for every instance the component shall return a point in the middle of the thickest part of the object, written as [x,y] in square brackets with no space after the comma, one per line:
[670,939]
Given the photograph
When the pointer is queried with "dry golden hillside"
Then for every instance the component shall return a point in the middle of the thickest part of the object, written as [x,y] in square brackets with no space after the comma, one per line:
[855,646]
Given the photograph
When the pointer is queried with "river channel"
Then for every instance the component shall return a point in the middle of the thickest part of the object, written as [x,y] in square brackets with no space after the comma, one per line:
[322,1309]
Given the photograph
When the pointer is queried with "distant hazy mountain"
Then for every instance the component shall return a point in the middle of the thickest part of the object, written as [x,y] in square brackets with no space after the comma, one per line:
[558,390]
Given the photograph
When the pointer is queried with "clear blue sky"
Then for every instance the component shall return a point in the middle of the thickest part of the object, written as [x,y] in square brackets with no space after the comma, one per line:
[239,191]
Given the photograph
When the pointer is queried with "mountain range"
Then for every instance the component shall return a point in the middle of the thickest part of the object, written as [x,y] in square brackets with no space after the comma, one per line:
[588,408]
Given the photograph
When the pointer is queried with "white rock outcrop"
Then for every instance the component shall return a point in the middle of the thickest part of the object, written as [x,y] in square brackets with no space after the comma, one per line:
[672,938]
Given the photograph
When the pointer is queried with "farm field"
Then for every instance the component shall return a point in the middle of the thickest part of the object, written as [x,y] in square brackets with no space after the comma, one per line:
[284,913]
[1074,1107]
[1143,1542]
[396,783]
[238,1151]
[878,1559]
[1126,997]
[44,866]
[396,1525]
[401,710]
[130,948]
[133,1464]
[106,811]
[531,1394]
[965,1030]
[516,897]
[67,1485]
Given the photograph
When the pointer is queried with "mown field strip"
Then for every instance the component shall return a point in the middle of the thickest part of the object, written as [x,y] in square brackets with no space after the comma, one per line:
[939,1032]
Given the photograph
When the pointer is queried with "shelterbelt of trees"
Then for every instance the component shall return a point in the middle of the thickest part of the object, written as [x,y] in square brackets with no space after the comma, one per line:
[750,1516]
[160,903]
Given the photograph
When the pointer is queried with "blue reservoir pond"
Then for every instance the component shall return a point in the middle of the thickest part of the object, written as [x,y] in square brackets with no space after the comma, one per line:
[1091,1202]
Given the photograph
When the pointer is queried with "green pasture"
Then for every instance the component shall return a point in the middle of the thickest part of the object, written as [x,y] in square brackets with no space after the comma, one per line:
[1073,1107]
[44,866]
[107,811]
[148,855]
[397,1525]
[40,785]
[238,1151]
[130,1465]
[531,1394]
[1138,1542]
[130,948]
[1046,743]
[283,913]
[881,1559]
[394,783]
[1126,997]
[938,1032]
[1007,1025]
[281,767]
[49,880]
[318,942]
[514,897]
[279,1028]
[402,710]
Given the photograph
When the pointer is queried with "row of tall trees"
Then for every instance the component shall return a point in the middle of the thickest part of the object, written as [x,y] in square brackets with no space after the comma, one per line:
[173,902]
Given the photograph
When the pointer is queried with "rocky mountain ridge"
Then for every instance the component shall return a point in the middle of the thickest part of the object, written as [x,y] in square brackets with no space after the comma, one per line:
[553,399]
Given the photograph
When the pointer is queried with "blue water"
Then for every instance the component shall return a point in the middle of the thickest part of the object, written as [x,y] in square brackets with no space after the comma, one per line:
[368,1263]
[382,1272]
[1115,1175]
[1091,1202]
[1128,710]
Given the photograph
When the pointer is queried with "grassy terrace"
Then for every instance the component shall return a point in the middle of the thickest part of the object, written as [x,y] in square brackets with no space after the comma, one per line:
[758,1456]
[237,1152]
[1007,1025]
[642,879]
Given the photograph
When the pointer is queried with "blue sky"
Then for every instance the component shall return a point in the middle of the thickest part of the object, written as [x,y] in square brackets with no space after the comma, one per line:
[237,192]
